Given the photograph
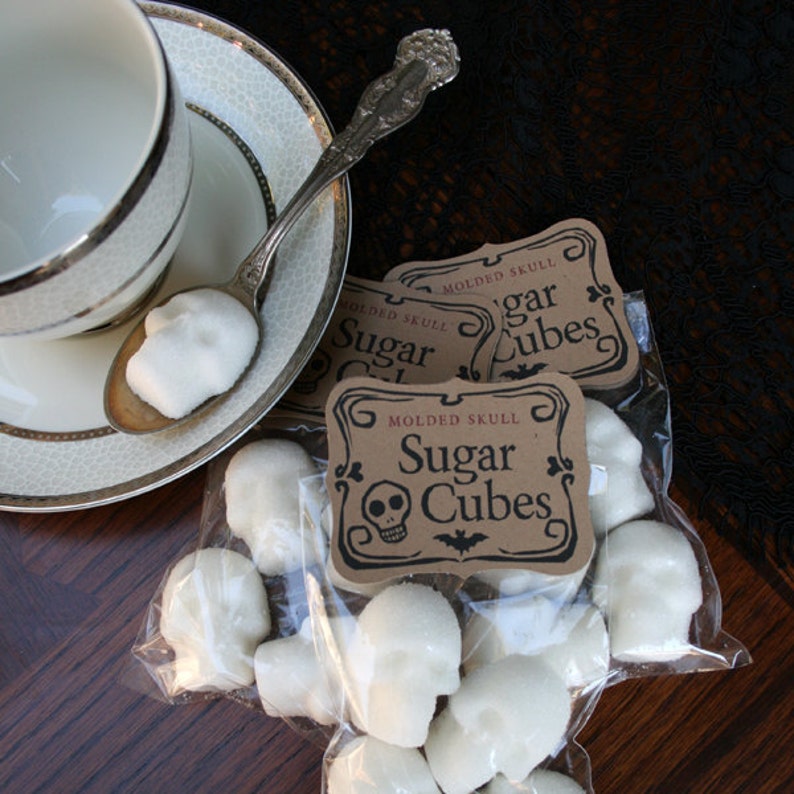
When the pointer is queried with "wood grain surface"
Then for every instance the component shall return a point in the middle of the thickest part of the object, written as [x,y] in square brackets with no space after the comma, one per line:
[75,587]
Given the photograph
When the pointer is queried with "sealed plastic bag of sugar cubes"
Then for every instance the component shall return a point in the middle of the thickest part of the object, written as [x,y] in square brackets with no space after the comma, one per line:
[437,682]
[230,617]
[441,691]
[454,684]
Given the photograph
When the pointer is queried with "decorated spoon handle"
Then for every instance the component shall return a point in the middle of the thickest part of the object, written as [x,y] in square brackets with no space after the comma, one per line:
[426,60]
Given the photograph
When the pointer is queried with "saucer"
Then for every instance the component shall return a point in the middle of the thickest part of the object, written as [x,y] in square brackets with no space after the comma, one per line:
[257,131]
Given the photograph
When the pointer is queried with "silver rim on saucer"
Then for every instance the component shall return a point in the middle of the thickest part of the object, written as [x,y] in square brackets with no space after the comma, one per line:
[44,471]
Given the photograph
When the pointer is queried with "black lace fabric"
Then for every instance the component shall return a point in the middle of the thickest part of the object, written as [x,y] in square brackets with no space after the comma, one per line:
[668,124]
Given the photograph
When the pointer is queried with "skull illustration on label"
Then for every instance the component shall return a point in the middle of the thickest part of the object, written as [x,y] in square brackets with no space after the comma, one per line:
[386,506]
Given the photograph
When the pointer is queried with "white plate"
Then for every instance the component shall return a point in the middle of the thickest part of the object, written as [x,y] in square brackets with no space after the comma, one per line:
[56,450]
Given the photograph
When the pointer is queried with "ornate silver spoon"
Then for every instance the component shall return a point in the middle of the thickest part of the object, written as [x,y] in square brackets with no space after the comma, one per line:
[425,60]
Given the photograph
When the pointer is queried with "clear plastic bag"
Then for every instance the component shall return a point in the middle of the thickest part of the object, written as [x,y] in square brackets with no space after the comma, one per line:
[323,677]
[646,411]
[287,602]
[383,663]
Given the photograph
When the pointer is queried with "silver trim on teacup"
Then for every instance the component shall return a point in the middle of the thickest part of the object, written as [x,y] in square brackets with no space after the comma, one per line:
[128,311]
[116,215]
[270,214]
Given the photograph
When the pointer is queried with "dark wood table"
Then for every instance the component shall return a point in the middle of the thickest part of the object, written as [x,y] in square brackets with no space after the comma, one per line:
[688,171]
[75,587]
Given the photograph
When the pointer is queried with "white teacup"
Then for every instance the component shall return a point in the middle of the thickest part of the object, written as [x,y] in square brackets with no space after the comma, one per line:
[95,164]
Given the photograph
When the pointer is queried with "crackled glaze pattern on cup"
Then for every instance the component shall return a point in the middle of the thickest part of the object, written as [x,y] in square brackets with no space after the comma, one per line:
[247,86]
[120,259]
[91,290]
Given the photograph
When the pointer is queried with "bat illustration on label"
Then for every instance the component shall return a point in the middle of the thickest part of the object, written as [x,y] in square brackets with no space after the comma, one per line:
[460,541]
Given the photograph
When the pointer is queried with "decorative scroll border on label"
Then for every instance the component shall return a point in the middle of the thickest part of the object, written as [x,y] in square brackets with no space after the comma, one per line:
[458,477]
[400,335]
[561,306]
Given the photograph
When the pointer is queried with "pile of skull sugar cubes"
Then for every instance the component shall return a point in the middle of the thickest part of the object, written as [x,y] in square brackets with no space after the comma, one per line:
[215,611]
[366,765]
[428,688]
[535,649]
[317,593]
[427,716]
[448,699]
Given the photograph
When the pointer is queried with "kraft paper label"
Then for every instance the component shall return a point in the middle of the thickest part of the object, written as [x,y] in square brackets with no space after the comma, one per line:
[458,477]
[399,335]
[561,308]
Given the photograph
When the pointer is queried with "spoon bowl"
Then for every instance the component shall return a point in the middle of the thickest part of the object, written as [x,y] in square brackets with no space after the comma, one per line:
[425,60]
[127,411]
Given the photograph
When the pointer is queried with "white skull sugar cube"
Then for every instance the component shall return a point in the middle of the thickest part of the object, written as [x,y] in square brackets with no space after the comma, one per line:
[404,653]
[369,766]
[515,581]
[572,638]
[506,717]
[214,613]
[197,345]
[540,781]
[293,679]
[582,658]
[647,583]
[612,446]
[262,489]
